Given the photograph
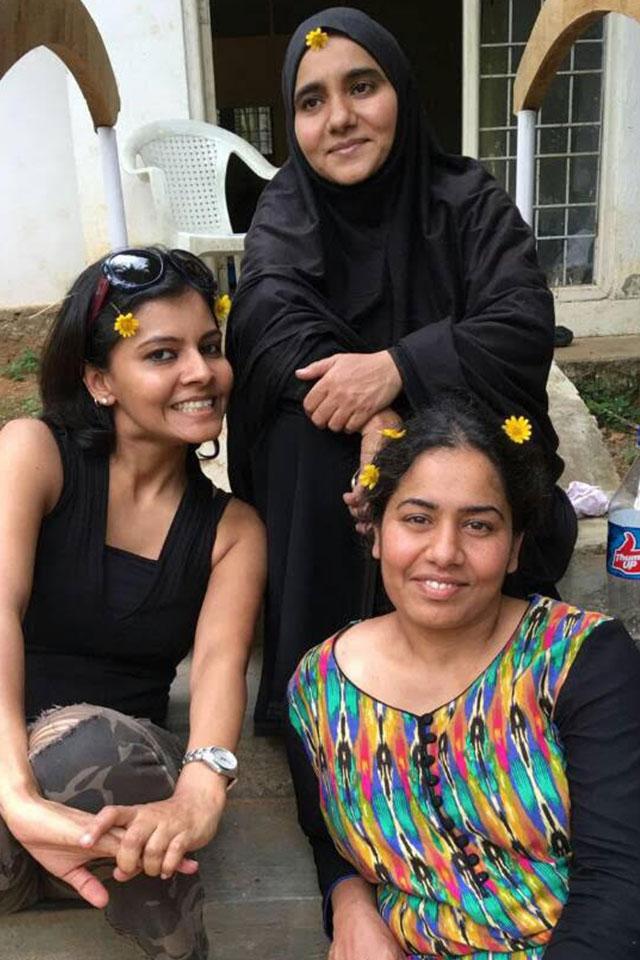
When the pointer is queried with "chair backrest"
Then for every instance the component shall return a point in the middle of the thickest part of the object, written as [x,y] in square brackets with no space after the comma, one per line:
[186,161]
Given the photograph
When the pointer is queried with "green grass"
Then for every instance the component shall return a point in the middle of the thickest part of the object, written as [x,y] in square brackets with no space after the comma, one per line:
[21,366]
[615,407]
[13,407]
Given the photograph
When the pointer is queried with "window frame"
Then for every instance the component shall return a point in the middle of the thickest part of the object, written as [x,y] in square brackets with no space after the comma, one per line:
[601,288]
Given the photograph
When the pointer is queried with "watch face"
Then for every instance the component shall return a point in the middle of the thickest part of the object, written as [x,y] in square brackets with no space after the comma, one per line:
[224,758]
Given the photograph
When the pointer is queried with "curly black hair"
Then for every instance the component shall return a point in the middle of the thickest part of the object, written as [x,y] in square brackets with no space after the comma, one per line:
[456,421]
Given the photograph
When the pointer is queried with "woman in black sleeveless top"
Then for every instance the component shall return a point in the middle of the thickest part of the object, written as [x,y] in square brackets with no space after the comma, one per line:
[117,556]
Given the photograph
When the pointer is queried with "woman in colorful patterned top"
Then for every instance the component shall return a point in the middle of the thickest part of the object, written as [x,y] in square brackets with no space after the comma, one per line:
[467,767]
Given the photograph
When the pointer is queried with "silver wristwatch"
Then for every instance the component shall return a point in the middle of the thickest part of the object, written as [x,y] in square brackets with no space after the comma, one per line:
[216,758]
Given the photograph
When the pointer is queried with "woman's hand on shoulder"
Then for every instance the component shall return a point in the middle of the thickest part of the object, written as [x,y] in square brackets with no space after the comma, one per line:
[372,440]
[350,389]
[359,932]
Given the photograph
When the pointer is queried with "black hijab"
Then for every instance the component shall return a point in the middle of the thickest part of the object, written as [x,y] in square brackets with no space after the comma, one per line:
[428,241]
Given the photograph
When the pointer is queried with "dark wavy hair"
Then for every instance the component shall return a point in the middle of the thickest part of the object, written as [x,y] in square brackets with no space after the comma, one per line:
[73,341]
[456,421]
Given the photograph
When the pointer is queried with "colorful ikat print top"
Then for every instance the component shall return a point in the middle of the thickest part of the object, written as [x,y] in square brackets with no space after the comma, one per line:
[460,816]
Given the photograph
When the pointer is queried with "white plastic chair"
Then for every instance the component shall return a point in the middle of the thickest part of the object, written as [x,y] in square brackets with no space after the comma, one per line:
[186,164]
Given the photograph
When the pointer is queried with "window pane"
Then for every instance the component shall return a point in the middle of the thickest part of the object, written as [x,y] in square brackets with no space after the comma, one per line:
[552,174]
[550,255]
[595,30]
[582,220]
[585,139]
[516,56]
[588,56]
[565,66]
[551,222]
[583,179]
[579,260]
[510,185]
[555,108]
[567,133]
[494,26]
[524,17]
[493,102]
[553,140]
[493,143]
[497,169]
[494,60]
[586,97]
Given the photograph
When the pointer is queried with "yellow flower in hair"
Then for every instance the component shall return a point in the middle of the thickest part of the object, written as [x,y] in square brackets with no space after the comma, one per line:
[369,476]
[221,307]
[393,433]
[317,39]
[126,325]
[517,429]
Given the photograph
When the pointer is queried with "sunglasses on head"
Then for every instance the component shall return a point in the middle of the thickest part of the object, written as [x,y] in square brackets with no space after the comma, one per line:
[133,270]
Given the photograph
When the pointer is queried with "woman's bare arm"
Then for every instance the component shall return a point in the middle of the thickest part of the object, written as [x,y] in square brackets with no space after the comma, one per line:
[161,833]
[30,484]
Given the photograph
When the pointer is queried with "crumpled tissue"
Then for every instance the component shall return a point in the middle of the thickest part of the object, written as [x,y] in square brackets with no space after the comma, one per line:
[587,500]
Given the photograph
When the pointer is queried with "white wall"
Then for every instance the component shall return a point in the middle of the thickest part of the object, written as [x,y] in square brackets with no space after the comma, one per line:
[52,214]
[40,232]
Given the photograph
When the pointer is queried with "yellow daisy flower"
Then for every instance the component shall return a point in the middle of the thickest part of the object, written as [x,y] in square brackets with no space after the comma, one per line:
[369,476]
[126,325]
[517,429]
[393,433]
[317,39]
[221,307]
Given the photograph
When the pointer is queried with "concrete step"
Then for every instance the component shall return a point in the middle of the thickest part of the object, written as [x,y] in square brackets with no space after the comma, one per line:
[261,899]
[265,930]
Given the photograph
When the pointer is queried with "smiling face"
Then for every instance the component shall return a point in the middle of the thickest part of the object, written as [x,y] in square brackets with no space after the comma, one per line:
[345,112]
[446,541]
[169,382]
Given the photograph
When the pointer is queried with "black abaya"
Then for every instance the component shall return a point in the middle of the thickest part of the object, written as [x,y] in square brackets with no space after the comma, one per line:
[428,258]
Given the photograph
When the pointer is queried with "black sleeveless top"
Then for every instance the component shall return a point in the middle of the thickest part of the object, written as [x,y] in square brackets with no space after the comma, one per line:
[81,648]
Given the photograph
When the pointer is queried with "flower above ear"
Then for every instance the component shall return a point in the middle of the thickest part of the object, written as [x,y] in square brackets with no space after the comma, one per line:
[317,39]
[369,476]
[221,307]
[517,429]
[126,325]
[393,433]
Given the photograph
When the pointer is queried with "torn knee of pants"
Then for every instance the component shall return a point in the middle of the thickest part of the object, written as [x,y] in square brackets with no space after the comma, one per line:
[56,724]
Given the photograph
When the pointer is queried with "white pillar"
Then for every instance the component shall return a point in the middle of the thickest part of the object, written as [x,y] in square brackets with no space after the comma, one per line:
[526,164]
[117,224]
[470,77]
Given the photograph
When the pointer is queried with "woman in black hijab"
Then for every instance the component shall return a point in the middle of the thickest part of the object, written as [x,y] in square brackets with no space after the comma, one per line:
[378,272]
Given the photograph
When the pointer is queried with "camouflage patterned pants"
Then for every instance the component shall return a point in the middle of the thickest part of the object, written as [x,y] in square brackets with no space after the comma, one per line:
[86,757]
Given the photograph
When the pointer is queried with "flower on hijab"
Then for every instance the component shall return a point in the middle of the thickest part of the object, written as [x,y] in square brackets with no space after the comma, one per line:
[221,307]
[317,39]
[126,325]
[369,476]
[517,429]
[393,433]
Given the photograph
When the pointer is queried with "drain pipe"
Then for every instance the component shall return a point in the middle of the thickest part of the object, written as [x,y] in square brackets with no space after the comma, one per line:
[526,164]
[116,222]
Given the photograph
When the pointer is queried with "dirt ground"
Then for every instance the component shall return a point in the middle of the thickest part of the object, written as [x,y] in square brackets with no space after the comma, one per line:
[22,332]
